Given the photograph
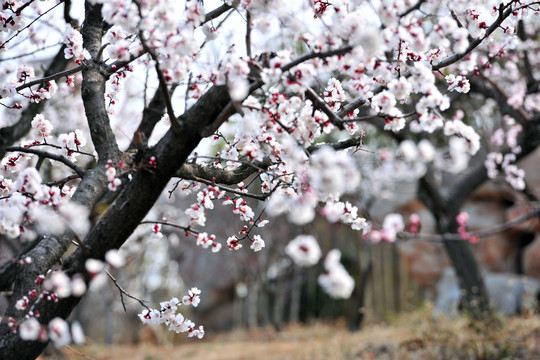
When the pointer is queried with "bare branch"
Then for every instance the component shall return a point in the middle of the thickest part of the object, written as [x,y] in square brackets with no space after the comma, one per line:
[63,181]
[161,77]
[350,107]
[535,210]
[124,292]
[186,229]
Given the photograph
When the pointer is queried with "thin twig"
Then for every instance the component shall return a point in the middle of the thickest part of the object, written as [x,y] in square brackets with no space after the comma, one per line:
[404,235]
[161,222]
[124,292]
[63,181]
[30,24]
[79,353]
[29,53]
[233,191]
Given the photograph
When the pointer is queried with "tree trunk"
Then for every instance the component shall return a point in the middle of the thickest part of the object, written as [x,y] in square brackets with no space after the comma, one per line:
[474,299]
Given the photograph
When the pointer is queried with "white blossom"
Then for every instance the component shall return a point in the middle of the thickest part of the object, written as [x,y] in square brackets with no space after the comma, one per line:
[304,250]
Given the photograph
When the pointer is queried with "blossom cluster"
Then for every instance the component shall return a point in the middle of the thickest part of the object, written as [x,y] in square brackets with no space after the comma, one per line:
[72,143]
[336,281]
[28,201]
[208,241]
[462,220]
[74,45]
[58,331]
[168,315]
[304,250]
[113,181]
[51,287]
[495,161]
[392,224]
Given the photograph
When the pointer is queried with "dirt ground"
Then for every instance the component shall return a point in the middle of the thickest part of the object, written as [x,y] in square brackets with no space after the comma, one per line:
[412,336]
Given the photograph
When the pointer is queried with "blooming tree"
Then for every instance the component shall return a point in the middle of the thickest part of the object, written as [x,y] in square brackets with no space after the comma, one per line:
[291,103]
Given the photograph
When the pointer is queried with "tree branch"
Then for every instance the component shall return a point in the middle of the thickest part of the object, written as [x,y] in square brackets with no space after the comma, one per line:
[340,145]
[197,172]
[46,79]
[321,105]
[404,235]
[503,14]
[412,8]
[79,170]
[151,115]
[93,87]
[219,11]
[321,55]
[124,292]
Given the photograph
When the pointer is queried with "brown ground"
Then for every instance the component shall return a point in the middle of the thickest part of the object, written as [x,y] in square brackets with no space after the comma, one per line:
[409,337]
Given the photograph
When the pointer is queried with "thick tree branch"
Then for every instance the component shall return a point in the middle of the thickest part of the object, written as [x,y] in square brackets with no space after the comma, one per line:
[151,115]
[93,87]
[351,106]
[495,93]
[248,34]
[94,184]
